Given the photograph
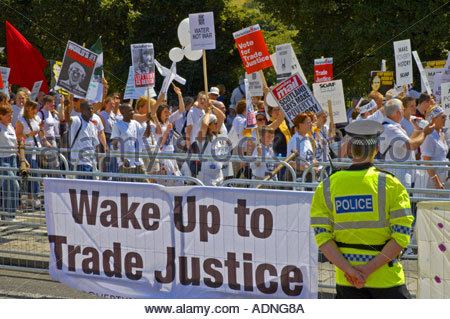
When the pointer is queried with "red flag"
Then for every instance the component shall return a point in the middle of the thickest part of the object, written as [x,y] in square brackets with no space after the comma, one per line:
[25,61]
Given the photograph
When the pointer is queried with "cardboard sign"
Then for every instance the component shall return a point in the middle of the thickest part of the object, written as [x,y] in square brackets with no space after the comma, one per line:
[294,97]
[423,76]
[296,68]
[431,69]
[5,76]
[252,49]
[168,79]
[35,91]
[203,36]
[250,111]
[403,62]
[76,69]
[143,64]
[381,81]
[284,61]
[255,84]
[444,77]
[323,70]
[333,91]
[445,100]
[132,92]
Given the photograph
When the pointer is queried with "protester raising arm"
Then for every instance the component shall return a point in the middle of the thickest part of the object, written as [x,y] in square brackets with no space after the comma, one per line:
[181,107]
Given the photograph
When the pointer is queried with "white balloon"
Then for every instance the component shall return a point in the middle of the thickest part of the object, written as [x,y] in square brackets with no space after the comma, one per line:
[184,33]
[176,54]
[271,100]
[192,55]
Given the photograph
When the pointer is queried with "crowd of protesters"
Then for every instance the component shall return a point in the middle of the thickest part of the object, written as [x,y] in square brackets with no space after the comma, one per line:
[123,137]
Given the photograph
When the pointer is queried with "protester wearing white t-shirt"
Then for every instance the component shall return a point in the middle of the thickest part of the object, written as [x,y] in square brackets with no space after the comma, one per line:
[265,150]
[126,135]
[17,108]
[395,144]
[193,121]
[435,148]
[211,143]
[301,144]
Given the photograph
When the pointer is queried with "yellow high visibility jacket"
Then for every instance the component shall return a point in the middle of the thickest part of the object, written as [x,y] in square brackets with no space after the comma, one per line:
[363,206]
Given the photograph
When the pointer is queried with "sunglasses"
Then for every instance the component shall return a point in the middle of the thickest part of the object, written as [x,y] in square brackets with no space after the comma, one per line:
[261,119]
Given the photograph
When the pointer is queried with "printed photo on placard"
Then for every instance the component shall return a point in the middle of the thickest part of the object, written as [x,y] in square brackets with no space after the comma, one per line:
[143,64]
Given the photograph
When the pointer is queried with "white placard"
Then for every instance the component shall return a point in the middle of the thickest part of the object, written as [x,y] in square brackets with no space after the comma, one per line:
[168,79]
[138,240]
[431,77]
[35,91]
[333,91]
[444,77]
[445,101]
[132,92]
[249,110]
[5,76]
[255,84]
[296,68]
[203,36]
[284,61]
[423,75]
[403,62]
[294,97]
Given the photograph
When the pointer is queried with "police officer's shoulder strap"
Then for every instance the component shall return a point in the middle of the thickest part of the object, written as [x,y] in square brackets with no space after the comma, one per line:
[383,171]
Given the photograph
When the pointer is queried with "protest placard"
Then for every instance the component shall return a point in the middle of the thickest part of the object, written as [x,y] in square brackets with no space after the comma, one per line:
[143,64]
[35,91]
[255,84]
[250,111]
[5,76]
[323,70]
[203,36]
[168,79]
[294,97]
[296,68]
[132,92]
[431,69]
[76,69]
[403,62]
[137,240]
[445,100]
[381,81]
[95,91]
[332,91]
[252,49]
[284,61]
[444,77]
[423,76]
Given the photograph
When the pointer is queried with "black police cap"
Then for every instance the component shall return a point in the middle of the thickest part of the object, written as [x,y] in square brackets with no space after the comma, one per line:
[367,130]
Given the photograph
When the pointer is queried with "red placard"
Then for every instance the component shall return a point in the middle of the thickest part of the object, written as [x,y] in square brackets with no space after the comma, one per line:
[1,81]
[252,49]
[323,70]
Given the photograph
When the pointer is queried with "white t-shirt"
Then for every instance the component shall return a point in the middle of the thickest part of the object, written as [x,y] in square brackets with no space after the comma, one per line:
[128,135]
[17,113]
[110,119]
[194,118]
[407,126]
[434,147]
[264,169]
[85,143]
[303,146]
[50,123]
[211,171]
[239,123]
[148,144]
[95,119]
[395,136]
[34,122]
[8,139]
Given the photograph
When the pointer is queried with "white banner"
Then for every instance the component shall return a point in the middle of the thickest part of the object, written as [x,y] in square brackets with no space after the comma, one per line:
[5,76]
[433,240]
[403,62]
[423,75]
[148,241]
[132,92]
[203,36]
[333,91]
[255,84]
[35,91]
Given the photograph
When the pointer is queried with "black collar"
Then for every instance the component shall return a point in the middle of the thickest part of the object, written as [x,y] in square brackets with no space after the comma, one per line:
[359,167]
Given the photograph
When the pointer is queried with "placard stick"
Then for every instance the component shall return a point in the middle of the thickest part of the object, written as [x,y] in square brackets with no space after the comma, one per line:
[131,102]
[148,101]
[205,73]
[330,113]
[257,135]
[263,78]
[278,168]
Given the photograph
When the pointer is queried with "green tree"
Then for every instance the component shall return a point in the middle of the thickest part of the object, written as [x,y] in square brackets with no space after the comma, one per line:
[359,34]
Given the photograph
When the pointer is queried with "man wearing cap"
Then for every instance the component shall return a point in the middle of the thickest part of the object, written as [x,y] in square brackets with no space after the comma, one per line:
[213,93]
[362,219]
[395,145]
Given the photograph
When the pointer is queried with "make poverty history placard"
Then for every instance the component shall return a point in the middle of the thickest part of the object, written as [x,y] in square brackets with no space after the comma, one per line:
[136,240]
[294,97]
[76,69]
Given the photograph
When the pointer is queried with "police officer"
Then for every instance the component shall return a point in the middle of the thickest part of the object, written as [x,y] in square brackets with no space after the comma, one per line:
[362,219]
